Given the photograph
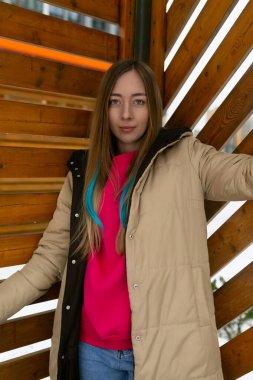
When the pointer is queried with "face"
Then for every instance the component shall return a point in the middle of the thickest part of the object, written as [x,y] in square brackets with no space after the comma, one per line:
[128,111]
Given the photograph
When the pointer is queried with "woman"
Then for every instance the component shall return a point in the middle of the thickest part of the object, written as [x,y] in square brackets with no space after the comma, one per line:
[135,299]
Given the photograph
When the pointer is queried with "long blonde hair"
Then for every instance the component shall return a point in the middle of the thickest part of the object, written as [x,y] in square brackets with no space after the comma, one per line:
[103,148]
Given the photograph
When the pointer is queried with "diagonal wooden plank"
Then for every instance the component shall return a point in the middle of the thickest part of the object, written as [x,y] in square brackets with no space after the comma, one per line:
[234,297]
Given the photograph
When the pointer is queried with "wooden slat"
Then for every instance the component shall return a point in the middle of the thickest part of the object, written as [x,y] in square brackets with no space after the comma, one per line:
[194,43]
[17,250]
[34,73]
[27,208]
[43,120]
[105,9]
[29,367]
[158,30]
[233,111]
[25,25]
[178,15]
[27,330]
[228,56]
[234,297]
[30,185]
[46,98]
[127,28]
[28,162]
[246,146]
[21,140]
[24,228]
[231,238]
[237,356]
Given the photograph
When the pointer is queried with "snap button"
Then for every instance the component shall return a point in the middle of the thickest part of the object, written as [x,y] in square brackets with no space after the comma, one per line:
[76,168]
[131,236]
[138,338]
[71,162]
[68,307]
[73,261]
[78,176]
[63,357]
[77,215]
[136,286]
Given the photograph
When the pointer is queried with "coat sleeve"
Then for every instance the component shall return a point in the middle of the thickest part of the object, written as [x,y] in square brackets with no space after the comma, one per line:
[47,263]
[223,176]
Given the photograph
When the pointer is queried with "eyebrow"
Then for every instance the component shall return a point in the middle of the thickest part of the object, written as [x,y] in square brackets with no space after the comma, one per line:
[136,94]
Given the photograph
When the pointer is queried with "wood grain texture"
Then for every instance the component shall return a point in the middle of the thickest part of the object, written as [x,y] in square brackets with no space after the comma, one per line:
[230,115]
[231,238]
[29,162]
[225,60]
[27,208]
[234,297]
[22,228]
[105,9]
[177,16]
[127,28]
[32,27]
[17,250]
[198,38]
[27,330]
[42,120]
[236,356]
[157,41]
[22,71]
[30,185]
[28,367]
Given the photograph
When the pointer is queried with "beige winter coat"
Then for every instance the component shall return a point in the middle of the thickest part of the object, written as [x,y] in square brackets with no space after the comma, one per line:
[173,324]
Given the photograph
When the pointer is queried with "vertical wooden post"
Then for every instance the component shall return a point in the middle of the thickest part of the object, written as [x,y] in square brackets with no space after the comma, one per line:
[127,28]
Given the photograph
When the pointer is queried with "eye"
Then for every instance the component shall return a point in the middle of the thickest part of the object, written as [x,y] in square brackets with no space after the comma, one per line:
[113,102]
[139,102]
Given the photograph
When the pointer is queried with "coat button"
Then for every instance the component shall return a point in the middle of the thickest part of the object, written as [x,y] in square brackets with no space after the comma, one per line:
[68,307]
[136,286]
[131,236]
[138,338]
[63,357]
[73,261]
[77,215]
[76,168]
[71,162]
[78,176]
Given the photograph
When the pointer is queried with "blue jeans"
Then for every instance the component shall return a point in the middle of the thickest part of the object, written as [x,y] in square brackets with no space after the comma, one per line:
[97,363]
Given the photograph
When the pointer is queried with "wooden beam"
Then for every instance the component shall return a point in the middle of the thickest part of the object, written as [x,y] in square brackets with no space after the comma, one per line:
[231,238]
[198,38]
[237,356]
[38,74]
[177,17]
[27,208]
[105,9]
[27,330]
[157,48]
[232,112]
[220,67]
[21,140]
[234,297]
[33,163]
[30,185]
[32,367]
[18,249]
[32,27]
[127,28]
[24,228]
[46,98]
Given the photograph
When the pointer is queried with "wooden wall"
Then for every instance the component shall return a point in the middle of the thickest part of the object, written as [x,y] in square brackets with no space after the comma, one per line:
[49,75]
[236,296]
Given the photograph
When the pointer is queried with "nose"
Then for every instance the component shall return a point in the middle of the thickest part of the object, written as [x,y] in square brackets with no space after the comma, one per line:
[126,111]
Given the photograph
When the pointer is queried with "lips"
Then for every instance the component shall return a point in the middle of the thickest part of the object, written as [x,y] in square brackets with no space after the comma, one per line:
[126,129]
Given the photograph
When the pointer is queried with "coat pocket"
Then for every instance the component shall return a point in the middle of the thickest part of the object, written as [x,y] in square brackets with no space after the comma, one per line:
[201,295]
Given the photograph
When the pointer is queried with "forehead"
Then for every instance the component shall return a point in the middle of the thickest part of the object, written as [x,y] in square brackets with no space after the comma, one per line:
[129,82]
